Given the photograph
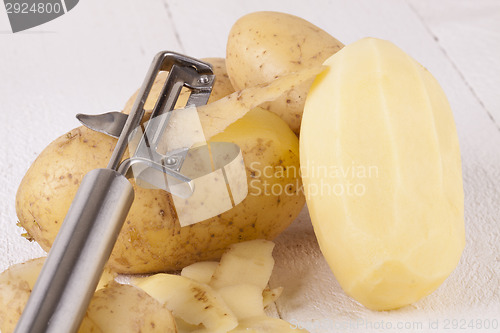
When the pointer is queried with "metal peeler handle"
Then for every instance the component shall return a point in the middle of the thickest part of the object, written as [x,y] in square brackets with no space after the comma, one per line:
[74,265]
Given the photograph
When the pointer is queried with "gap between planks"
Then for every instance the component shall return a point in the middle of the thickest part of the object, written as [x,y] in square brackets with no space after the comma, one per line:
[455,67]
[174,27]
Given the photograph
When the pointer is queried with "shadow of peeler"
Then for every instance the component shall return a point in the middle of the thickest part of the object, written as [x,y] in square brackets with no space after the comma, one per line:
[184,165]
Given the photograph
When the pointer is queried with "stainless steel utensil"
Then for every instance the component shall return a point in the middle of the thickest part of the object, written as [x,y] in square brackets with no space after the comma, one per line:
[84,243]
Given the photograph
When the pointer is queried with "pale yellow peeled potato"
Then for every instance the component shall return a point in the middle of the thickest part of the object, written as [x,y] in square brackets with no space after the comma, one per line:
[382,175]
[264,45]
[16,284]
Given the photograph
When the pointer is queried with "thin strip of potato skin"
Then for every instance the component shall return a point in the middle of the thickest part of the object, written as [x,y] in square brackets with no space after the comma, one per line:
[216,116]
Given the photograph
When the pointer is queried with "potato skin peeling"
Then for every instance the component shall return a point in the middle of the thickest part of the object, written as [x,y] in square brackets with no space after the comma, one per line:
[151,239]
[227,296]
[399,236]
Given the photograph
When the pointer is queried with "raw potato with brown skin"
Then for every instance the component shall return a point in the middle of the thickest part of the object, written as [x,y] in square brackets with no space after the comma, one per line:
[403,236]
[221,88]
[16,284]
[265,45]
[152,239]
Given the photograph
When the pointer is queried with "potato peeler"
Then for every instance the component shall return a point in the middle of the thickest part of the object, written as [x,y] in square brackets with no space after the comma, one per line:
[72,270]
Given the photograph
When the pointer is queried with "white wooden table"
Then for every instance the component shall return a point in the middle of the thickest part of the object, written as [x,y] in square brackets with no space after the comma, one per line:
[93,58]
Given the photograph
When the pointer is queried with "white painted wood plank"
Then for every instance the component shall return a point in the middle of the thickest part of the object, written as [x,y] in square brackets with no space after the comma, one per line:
[469,34]
[111,44]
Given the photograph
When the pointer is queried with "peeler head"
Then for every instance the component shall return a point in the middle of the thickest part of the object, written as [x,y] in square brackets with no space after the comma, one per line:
[144,141]
[169,151]
[183,71]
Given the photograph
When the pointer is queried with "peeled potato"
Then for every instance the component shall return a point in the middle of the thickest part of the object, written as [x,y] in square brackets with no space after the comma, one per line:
[233,298]
[384,191]
[221,88]
[264,45]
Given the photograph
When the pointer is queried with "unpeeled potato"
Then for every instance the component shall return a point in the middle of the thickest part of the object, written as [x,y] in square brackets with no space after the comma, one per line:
[264,45]
[152,239]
